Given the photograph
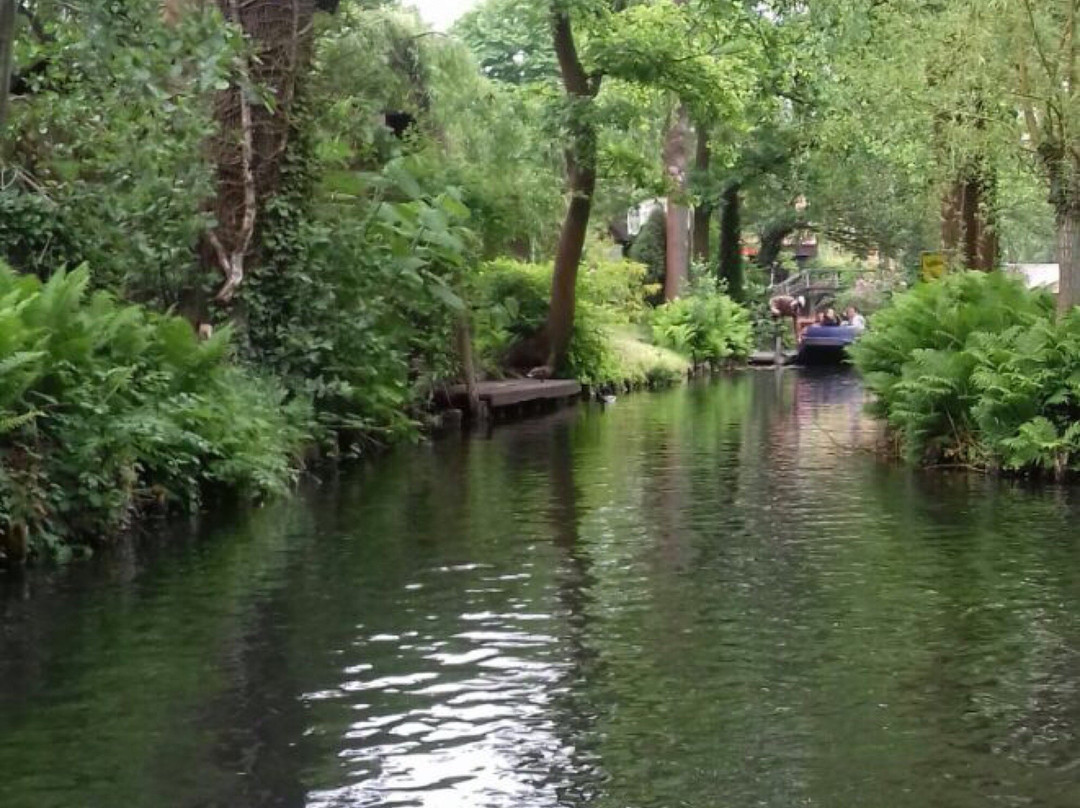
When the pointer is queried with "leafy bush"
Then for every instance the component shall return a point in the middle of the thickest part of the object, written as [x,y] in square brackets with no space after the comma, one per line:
[650,248]
[34,235]
[106,410]
[1027,380]
[354,304]
[930,357]
[106,158]
[510,304]
[707,325]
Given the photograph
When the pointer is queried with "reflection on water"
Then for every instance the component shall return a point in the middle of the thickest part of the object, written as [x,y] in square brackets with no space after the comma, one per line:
[714,596]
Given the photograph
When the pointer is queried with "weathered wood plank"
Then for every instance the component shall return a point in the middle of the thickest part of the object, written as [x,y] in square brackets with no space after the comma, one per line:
[510,392]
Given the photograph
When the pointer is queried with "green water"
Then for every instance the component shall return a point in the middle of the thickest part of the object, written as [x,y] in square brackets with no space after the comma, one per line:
[711,597]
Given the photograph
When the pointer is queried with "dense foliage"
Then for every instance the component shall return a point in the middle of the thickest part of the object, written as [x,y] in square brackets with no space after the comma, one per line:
[510,303]
[343,195]
[108,410]
[975,370]
[706,325]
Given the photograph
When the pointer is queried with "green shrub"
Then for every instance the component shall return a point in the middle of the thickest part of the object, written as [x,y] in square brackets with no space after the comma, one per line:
[1027,382]
[650,249]
[509,300]
[707,325]
[107,410]
[354,306]
[920,356]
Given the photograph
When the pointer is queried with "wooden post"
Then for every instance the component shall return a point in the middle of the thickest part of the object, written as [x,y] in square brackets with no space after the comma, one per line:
[468,366]
[778,359]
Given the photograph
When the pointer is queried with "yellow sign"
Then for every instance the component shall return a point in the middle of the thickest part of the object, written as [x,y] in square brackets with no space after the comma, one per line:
[933,266]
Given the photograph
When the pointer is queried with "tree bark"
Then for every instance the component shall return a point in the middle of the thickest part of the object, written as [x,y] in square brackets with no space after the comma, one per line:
[731,266]
[772,243]
[968,236]
[7,50]
[676,163]
[702,212]
[581,89]
[463,338]
[252,137]
[1068,239]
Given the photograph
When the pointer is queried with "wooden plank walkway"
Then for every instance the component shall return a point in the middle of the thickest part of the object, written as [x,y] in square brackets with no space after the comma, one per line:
[768,358]
[513,392]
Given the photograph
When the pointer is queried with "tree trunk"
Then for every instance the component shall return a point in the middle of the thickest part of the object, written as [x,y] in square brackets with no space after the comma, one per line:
[772,243]
[703,212]
[676,163]
[581,89]
[463,338]
[253,137]
[7,49]
[968,236]
[731,267]
[1068,238]
[560,323]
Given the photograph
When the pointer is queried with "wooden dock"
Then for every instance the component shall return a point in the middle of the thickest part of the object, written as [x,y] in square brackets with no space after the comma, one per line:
[768,358]
[511,394]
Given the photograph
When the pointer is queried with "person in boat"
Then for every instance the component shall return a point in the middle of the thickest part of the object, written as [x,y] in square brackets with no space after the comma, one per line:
[855,320]
[831,318]
[786,306]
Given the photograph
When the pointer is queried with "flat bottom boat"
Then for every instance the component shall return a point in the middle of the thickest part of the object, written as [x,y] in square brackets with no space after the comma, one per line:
[826,344]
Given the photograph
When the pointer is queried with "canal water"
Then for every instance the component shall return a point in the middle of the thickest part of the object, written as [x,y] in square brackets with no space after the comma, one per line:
[713,597]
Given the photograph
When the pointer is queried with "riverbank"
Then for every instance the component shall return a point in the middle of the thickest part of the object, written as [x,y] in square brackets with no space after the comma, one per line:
[111,415]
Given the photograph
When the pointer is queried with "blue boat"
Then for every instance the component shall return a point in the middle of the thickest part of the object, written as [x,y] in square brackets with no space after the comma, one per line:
[826,344]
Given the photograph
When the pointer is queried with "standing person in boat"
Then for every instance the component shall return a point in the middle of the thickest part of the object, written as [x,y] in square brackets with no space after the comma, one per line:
[786,306]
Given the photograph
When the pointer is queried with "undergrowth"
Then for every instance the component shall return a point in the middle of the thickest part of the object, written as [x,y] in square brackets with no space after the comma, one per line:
[975,370]
[108,411]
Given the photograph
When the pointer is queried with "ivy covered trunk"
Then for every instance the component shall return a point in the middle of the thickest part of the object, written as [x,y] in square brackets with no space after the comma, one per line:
[676,163]
[253,134]
[1068,239]
[731,268]
[581,89]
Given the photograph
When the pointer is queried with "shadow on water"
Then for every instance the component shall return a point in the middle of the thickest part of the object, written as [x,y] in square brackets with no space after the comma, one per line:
[711,596]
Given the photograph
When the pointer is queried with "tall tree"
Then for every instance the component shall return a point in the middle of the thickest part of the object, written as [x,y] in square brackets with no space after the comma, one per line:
[731,262]
[676,169]
[676,173]
[968,234]
[581,90]
[7,49]
[704,209]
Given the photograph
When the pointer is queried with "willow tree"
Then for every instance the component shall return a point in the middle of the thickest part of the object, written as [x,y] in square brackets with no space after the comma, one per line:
[1039,53]
[1010,91]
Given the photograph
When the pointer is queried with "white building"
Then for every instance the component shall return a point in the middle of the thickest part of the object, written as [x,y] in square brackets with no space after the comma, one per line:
[1039,276]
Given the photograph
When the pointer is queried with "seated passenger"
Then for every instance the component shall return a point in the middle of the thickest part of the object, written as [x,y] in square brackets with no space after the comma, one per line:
[831,318]
[855,320]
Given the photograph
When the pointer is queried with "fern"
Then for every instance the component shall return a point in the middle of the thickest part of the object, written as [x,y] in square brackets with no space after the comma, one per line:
[123,401]
[975,369]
